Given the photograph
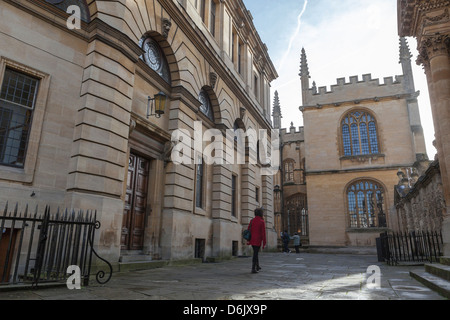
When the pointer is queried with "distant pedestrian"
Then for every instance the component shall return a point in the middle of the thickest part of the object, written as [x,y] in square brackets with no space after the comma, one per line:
[297,242]
[285,238]
[257,228]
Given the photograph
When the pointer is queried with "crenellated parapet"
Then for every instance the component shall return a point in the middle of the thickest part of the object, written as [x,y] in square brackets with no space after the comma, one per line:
[293,134]
[356,91]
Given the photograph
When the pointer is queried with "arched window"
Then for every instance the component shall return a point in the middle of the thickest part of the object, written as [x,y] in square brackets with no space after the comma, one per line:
[65,4]
[365,204]
[155,58]
[296,214]
[359,134]
[206,107]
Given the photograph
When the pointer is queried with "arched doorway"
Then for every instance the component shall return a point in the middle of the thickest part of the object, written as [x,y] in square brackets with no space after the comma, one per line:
[296,216]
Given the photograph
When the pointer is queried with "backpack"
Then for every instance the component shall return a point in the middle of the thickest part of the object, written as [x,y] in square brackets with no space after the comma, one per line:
[246,234]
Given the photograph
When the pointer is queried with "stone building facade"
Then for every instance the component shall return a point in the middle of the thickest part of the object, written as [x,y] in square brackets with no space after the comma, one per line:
[429,23]
[357,135]
[84,132]
[291,207]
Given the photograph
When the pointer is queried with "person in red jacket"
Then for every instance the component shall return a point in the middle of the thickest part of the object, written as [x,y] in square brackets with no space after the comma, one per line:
[257,229]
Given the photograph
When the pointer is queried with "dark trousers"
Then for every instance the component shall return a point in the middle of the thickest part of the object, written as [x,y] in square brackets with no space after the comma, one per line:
[255,261]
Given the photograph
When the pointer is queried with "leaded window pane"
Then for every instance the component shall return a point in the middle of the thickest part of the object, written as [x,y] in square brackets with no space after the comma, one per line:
[366,205]
[373,137]
[352,210]
[361,137]
[355,139]
[364,138]
[346,139]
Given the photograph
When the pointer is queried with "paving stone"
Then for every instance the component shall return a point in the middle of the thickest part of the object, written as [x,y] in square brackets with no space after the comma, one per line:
[308,276]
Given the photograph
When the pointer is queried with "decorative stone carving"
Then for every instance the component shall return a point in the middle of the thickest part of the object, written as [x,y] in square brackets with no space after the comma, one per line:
[212,79]
[432,46]
[422,207]
[429,20]
[167,155]
[132,125]
[166,24]
[242,112]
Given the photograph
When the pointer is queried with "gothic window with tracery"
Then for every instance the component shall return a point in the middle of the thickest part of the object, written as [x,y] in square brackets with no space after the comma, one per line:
[359,134]
[366,205]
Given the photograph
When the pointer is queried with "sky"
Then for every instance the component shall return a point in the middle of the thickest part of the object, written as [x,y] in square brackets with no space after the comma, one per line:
[341,38]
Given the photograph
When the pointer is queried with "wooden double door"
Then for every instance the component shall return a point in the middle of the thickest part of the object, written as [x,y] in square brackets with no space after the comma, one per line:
[136,206]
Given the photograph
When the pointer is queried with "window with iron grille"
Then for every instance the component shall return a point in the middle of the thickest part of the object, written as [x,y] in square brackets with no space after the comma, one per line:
[17,99]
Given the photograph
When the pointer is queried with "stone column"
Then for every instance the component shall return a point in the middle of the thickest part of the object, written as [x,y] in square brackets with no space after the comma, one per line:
[434,55]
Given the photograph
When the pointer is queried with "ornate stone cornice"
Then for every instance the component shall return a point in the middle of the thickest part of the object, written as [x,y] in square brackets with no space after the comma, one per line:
[413,15]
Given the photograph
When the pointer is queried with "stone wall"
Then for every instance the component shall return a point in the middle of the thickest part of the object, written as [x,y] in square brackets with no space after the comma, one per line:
[420,204]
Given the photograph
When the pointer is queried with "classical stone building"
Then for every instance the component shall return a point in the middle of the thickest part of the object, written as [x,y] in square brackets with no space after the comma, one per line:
[357,135]
[80,128]
[429,22]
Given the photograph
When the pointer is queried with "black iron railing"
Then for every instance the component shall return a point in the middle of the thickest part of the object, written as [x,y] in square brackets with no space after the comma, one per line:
[412,247]
[39,248]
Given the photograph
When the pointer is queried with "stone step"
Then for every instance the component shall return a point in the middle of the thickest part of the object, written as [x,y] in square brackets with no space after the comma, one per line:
[135,258]
[445,261]
[126,266]
[141,265]
[440,270]
[433,282]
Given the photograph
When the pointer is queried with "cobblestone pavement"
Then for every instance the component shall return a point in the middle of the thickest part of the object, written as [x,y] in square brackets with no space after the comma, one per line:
[303,276]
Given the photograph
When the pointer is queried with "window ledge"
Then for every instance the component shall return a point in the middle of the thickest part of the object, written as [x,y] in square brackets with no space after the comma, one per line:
[200,211]
[15,174]
[363,157]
